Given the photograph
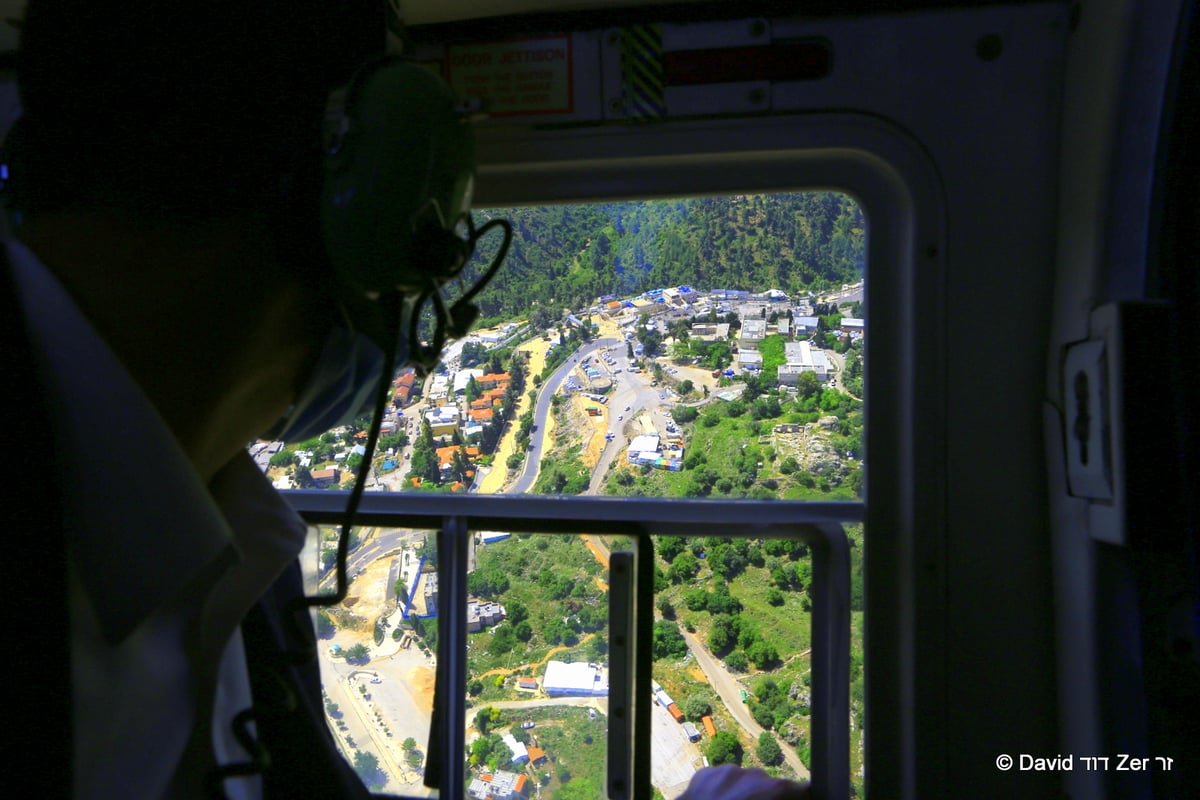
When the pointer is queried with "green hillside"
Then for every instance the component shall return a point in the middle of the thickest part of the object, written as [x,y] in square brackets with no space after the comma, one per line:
[567,256]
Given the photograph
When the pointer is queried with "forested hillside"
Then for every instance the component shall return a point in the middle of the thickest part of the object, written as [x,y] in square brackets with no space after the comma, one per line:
[567,256]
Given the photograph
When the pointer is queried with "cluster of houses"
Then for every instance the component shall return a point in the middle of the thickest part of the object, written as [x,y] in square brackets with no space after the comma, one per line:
[792,321]
[449,411]
[503,784]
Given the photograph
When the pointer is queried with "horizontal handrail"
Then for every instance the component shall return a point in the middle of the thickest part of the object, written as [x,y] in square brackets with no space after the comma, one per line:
[523,513]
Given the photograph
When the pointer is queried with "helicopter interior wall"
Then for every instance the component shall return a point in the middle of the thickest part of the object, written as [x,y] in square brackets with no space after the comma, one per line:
[959,668]
[1119,90]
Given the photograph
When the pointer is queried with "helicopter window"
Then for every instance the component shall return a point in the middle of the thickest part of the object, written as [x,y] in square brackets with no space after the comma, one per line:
[748,390]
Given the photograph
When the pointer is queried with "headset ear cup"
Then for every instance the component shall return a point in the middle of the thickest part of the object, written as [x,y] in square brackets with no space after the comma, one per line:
[398,173]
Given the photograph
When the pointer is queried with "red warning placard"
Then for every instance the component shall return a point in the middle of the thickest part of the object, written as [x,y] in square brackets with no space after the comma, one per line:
[515,76]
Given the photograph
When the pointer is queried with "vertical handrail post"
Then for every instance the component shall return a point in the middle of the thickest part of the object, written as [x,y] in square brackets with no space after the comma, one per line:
[829,739]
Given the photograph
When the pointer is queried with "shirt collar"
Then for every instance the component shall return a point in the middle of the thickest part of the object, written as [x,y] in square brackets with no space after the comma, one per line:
[140,523]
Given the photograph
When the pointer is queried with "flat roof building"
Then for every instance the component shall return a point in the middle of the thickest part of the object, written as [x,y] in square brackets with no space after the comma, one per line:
[577,679]
[498,785]
[801,357]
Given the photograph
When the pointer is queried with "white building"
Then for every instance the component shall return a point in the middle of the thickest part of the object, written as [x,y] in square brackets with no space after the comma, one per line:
[520,754]
[578,679]
[853,326]
[750,359]
[804,325]
[463,377]
[443,420]
[482,614]
[710,331]
[753,332]
[801,357]
[643,447]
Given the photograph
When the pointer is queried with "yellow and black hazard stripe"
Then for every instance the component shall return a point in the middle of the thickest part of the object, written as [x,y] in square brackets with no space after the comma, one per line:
[642,71]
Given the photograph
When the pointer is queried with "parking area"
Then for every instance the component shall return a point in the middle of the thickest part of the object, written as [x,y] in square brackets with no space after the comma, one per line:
[673,758]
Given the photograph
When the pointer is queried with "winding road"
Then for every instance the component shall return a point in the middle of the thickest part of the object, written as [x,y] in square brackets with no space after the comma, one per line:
[541,413]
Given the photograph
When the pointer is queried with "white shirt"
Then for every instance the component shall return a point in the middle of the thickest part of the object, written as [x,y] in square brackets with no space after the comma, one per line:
[162,568]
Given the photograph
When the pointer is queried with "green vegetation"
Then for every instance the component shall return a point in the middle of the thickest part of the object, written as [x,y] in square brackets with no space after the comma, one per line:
[548,587]
[767,750]
[565,475]
[772,357]
[357,654]
[576,748]
[366,765]
[668,641]
[734,451]
[724,749]
[567,256]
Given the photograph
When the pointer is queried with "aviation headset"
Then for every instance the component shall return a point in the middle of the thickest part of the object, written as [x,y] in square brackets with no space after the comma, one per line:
[391,216]
[395,223]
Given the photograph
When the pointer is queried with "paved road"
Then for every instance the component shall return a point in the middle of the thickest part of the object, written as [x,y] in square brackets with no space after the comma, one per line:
[541,413]
[598,703]
[729,689]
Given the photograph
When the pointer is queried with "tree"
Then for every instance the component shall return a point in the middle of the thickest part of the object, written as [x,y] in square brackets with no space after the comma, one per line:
[460,465]
[808,385]
[763,654]
[485,718]
[504,640]
[682,414]
[736,661]
[408,745]
[424,464]
[668,641]
[367,766]
[670,546]
[697,705]
[724,749]
[283,458]
[517,612]
[722,634]
[686,386]
[358,654]
[768,751]
[684,567]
